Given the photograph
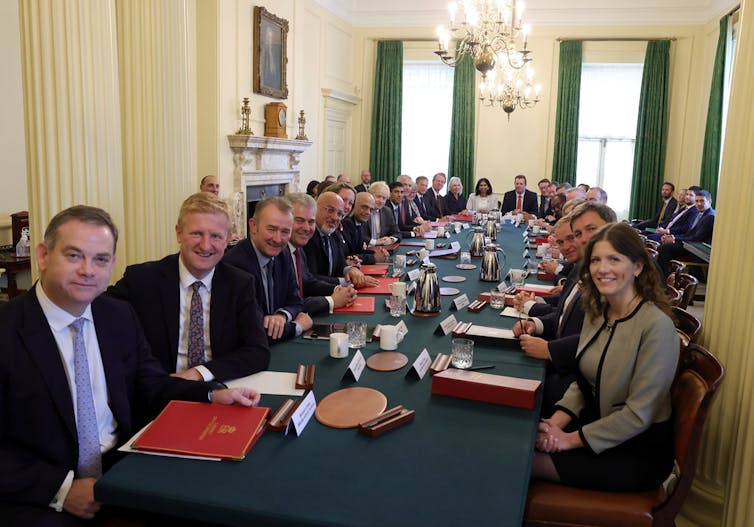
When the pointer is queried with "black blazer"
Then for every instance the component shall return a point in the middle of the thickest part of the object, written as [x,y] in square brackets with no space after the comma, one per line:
[360,188]
[702,231]
[430,203]
[236,333]
[38,443]
[318,260]
[286,295]
[529,202]
[453,205]
[545,208]
[315,289]
[666,217]
[406,218]
[355,237]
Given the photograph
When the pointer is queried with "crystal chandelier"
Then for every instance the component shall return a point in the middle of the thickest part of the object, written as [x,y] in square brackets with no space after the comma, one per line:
[491,32]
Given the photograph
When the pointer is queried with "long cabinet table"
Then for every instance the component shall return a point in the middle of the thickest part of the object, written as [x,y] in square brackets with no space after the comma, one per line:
[459,462]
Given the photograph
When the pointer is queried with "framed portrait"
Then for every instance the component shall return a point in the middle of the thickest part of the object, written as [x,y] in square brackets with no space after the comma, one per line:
[270,57]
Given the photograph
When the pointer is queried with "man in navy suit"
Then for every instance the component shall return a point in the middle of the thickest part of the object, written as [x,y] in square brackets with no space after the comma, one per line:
[382,228]
[560,328]
[681,222]
[320,295]
[162,294]
[700,231]
[74,367]
[520,199]
[263,256]
[366,178]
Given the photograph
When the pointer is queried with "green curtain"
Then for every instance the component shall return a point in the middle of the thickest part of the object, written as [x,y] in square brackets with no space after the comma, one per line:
[567,113]
[714,129]
[651,130]
[387,107]
[461,156]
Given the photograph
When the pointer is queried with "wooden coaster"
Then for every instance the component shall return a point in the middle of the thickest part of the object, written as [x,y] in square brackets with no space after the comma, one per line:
[387,361]
[453,279]
[348,407]
[449,291]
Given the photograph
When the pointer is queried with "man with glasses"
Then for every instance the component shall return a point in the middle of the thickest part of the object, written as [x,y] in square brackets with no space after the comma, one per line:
[325,252]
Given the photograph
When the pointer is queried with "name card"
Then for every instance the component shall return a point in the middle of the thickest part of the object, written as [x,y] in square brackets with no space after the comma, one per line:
[526,253]
[446,326]
[466,226]
[413,275]
[421,365]
[411,287]
[502,287]
[355,367]
[302,415]
[459,302]
[525,235]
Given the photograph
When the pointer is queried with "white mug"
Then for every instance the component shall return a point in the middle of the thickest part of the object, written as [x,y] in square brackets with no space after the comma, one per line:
[429,244]
[441,232]
[388,338]
[399,289]
[338,345]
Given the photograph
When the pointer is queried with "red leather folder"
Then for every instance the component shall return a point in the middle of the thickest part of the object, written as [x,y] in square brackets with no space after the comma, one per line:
[364,305]
[204,429]
[385,287]
[485,387]
[374,269]
[537,289]
[462,217]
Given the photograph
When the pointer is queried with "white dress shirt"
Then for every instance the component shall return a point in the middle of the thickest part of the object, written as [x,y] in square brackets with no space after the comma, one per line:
[185,279]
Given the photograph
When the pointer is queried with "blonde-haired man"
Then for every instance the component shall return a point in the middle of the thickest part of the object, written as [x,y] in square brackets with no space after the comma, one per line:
[200,315]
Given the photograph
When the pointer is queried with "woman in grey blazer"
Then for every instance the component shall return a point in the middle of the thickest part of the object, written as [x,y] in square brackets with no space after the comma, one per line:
[612,430]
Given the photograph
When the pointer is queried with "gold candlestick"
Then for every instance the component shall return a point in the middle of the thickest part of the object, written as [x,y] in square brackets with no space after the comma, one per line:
[301,122]
[245,115]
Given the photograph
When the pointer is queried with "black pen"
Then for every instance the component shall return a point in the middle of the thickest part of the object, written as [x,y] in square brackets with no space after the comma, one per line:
[484,367]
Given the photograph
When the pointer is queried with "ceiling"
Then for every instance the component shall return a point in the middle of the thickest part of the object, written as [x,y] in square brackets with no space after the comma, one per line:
[430,13]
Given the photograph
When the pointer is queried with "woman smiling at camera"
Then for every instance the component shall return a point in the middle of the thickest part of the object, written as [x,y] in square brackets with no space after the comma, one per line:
[483,200]
[612,430]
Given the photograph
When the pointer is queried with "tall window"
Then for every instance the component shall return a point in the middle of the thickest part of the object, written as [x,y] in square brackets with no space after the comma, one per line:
[427,110]
[609,105]
[730,51]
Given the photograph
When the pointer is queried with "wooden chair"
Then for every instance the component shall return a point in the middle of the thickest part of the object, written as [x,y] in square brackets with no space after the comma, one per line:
[653,254]
[652,244]
[687,322]
[687,284]
[674,295]
[550,504]
[675,268]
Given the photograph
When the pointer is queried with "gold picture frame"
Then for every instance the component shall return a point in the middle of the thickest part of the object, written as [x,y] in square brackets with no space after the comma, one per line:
[270,54]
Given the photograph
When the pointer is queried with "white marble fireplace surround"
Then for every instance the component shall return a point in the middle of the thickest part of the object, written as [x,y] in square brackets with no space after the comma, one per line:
[265,161]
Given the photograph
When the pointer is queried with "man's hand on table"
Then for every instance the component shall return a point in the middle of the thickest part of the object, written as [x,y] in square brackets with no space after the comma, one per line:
[275,325]
[520,299]
[535,347]
[359,279]
[304,321]
[523,327]
[239,396]
[80,499]
[343,296]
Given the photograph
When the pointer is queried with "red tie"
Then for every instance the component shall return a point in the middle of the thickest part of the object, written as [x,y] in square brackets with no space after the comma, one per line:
[299,273]
[518,203]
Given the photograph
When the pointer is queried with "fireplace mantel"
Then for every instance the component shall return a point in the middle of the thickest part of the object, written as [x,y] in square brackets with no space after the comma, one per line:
[265,161]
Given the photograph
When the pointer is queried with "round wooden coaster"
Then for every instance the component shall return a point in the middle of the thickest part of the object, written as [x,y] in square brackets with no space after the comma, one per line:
[348,407]
[449,291]
[387,361]
[466,267]
[453,279]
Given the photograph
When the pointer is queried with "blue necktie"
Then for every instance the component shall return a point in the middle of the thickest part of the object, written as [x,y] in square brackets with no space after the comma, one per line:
[328,252]
[90,457]
[196,327]
[696,221]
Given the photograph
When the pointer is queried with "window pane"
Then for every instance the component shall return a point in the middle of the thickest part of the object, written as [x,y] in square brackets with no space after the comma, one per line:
[427,111]
[619,163]
[609,101]
[588,162]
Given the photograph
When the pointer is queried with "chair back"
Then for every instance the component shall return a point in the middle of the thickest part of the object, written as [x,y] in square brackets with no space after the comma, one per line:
[675,268]
[687,284]
[652,244]
[653,254]
[698,378]
[674,295]
[686,322]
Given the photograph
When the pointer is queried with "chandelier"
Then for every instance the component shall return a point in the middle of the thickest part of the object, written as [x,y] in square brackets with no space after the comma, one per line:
[492,33]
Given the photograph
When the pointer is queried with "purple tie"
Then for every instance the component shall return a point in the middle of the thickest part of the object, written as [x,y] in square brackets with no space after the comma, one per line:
[196,327]
[90,457]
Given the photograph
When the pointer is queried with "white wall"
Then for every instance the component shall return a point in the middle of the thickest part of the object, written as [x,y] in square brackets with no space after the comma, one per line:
[14,195]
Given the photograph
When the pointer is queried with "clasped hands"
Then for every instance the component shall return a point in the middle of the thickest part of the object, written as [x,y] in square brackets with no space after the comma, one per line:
[533,346]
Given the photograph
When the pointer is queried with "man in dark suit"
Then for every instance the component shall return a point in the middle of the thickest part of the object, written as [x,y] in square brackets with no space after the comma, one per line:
[366,178]
[401,212]
[354,231]
[325,252]
[320,295]
[665,209]
[427,210]
[520,199]
[560,328]
[700,231]
[263,256]
[544,209]
[73,368]
[382,228]
[163,295]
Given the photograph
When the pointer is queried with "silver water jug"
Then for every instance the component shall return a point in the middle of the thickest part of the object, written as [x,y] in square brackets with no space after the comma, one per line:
[490,230]
[490,269]
[476,245]
[427,294]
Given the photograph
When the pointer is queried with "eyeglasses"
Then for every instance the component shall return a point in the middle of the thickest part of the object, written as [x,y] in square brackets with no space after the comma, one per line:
[333,210]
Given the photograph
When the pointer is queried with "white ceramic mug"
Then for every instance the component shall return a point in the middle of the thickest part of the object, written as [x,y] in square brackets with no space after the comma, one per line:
[429,244]
[388,338]
[338,345]
[441,232]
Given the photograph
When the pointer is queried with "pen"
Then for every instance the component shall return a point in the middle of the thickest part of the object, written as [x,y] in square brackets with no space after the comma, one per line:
[484,367]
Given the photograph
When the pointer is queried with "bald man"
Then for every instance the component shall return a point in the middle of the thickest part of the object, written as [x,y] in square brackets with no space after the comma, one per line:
[210,184]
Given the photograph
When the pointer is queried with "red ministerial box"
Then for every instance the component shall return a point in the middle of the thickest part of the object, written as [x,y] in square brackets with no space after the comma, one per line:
[485,387]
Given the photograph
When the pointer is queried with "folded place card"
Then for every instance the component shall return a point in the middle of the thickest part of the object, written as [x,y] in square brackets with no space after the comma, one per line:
[420,366]
[355,367]
[303,413]
[446,326]
[459,302]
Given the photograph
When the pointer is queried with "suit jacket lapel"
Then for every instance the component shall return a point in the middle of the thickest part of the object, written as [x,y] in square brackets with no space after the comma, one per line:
[218,299]
[169,293]
[41,346]
[112,363]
